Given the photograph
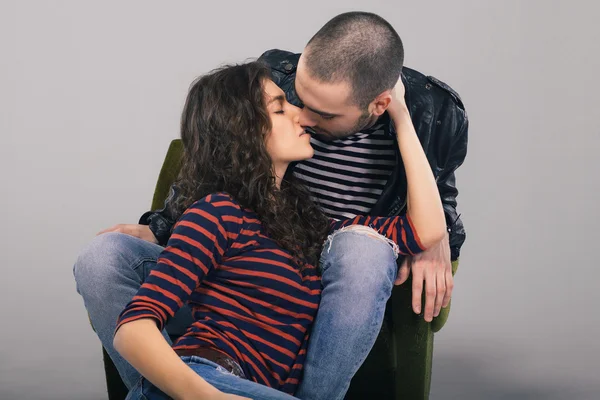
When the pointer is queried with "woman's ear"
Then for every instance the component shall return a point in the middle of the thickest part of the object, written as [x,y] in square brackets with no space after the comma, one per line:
[381,103]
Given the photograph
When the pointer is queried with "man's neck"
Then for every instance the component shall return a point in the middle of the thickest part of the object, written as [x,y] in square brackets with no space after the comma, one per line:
[383,119]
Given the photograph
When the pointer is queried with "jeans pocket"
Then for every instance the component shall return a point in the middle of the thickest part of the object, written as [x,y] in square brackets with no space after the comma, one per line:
[143,266]
[194,360]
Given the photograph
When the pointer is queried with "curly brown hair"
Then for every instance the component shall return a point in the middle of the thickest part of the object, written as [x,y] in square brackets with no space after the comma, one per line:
[223,129]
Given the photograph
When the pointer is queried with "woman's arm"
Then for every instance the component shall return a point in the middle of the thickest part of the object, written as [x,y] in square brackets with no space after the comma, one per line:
[424,224]
[197,245]
[398,229]
[423,201]
[143,346]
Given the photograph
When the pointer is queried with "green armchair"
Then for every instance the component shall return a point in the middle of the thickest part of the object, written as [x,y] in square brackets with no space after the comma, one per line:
[399,365]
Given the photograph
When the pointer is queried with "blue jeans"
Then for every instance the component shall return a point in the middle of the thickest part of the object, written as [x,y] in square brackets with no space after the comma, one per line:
[358,273]
[215,375]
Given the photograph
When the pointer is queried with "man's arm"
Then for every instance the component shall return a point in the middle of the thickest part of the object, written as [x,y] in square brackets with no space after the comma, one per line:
[447,186]
[154,226]
[432,269]
[196,247]
[283,66]
[161,222]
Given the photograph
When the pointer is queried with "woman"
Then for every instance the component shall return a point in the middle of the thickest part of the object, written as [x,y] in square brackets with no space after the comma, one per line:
[244,251]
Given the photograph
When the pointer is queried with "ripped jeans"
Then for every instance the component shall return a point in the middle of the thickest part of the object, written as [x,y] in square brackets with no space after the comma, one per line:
[358,272]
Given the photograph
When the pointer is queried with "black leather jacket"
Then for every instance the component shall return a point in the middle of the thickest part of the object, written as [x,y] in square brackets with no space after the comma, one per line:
[441,123]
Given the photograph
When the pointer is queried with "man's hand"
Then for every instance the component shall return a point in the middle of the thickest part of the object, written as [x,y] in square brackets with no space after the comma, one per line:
[435,268]
[139,231]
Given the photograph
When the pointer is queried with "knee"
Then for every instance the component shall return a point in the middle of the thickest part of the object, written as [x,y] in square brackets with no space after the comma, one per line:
[360,257]
[100,260]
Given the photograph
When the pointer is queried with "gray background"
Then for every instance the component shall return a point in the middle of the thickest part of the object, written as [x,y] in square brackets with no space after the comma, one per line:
[90,96]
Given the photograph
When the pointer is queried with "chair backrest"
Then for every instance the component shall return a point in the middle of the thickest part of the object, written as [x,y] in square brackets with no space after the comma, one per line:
[168,174]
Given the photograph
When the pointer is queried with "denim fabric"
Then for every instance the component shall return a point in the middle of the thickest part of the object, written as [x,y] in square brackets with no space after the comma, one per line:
[218,377]
[358,272]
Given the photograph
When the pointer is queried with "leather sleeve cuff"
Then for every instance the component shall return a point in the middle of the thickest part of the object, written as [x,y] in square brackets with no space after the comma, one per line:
[159,226]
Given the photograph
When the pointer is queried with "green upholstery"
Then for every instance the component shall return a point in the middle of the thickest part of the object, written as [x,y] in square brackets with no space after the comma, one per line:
[168,174]
[441,319]
[399,365]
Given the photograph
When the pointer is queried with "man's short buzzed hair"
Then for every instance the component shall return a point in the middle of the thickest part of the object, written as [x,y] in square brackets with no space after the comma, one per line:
[360,48]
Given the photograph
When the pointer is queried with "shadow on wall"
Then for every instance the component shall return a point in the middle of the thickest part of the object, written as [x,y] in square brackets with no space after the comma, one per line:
[467,378]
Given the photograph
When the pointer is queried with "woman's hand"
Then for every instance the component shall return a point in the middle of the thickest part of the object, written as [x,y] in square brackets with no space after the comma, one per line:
[397,108]
[423,198]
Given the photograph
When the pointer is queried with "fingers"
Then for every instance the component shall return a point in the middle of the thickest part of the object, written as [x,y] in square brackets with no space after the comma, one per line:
[121,228]
[403,273]
[440,293]
[399,88]
[417,289]
[430,295]
[144,233]
[111,229]
[449,286]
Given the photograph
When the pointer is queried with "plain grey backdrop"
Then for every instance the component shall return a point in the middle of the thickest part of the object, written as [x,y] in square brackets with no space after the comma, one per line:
[90,97]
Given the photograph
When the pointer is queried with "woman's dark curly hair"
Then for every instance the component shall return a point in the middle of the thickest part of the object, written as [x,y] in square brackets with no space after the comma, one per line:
[223,128]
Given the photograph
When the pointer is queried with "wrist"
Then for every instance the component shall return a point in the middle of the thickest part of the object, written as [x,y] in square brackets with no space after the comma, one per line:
[402,120]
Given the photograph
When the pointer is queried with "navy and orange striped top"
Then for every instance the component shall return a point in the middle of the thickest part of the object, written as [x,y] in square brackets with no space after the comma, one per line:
[248,297]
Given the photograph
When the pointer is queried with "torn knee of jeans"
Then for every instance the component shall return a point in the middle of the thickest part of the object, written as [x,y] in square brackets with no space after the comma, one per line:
[364,230]
[224,370]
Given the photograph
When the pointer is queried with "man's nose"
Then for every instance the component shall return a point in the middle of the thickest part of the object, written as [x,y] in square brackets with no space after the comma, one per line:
[305,118]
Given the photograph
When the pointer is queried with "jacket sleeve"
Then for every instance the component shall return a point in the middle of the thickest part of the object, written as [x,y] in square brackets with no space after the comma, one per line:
[283,66]
[446,182]
[452,138]
[161,221]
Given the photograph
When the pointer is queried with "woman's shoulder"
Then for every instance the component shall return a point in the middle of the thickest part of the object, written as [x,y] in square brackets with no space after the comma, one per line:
[222,201]
[221,204]
[215,212]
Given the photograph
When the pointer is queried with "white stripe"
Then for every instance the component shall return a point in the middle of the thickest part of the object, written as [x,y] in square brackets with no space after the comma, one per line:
[358,150]
[355,150]
[337,214]
[381,142]
[333,184]
[348,197]
[363,136]
[343,168]
[359,159]
[345,205]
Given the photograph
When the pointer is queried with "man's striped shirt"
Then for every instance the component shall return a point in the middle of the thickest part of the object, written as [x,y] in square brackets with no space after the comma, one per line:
[248,297]
[347,176]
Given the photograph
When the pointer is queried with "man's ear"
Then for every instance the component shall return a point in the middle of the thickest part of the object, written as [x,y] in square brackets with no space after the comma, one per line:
[381,103]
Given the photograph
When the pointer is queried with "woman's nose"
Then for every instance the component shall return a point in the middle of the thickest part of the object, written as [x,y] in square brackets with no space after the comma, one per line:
[305,119]
[296,111]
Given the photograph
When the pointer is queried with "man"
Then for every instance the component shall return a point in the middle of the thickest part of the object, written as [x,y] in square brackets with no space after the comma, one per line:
[341,80]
